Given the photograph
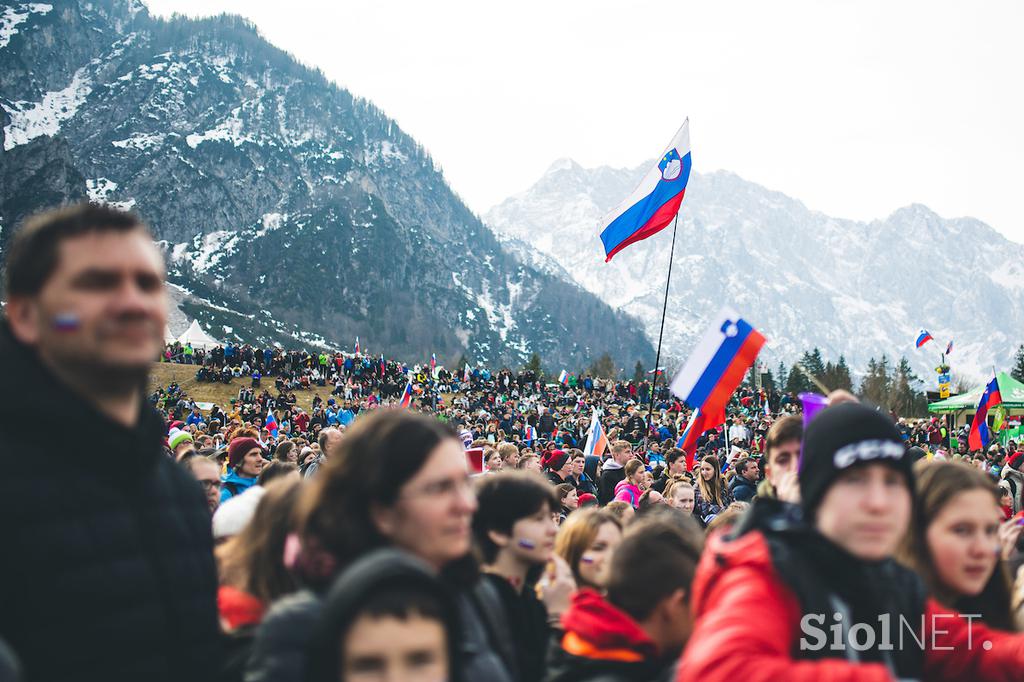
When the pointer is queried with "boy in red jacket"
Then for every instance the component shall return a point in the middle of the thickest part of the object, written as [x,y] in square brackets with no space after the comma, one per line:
[813,593]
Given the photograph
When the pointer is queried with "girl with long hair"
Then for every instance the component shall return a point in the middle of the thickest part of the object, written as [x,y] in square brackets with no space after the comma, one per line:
[954,541]
[711,496]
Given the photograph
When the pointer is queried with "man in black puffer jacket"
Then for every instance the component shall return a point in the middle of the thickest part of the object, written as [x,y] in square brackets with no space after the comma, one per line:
[107,570]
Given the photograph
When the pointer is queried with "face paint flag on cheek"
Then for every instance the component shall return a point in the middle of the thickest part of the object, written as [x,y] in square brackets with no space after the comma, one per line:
[66,322]
[526,544]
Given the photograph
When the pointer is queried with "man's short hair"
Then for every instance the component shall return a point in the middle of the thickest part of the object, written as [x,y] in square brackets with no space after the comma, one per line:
[321,440]
[657,556]
[741,466]
[673,455]
[788,428]
[620,445]
[33,251]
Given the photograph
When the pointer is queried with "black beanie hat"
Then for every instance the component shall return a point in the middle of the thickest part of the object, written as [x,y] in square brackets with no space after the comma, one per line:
[842,436]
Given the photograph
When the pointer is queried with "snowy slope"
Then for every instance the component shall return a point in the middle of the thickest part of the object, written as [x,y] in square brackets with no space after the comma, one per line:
[804,278]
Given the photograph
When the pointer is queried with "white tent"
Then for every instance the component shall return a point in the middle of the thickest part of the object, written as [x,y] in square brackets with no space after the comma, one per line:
[197,337]
[169,336]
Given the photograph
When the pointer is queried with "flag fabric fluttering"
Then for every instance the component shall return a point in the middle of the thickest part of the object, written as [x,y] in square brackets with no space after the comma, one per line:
[271,424]
[719,362]
[949,347]
[654,202]
[979,436]
[699,424]
[922,338]
[597,442]
[406,396]
[383,365]
[433,362]
[529,433]
[357,346]
[563,378]
[466,376]
[475,460]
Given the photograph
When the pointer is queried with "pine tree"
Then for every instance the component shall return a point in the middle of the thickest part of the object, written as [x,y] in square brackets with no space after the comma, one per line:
[604,367]
[796,382]
[905,399]
[782,374]
[534,365]
[638,372]
[1018,364]
[842,379]
[875,387]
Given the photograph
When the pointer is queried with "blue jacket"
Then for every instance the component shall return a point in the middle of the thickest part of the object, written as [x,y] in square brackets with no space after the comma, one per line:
[232,484]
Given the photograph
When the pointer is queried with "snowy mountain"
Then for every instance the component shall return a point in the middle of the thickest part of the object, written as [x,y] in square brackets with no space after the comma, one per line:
[804,278]
[288,209]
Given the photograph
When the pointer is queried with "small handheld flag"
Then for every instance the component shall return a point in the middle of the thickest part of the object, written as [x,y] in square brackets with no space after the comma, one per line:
[597,442]
[979,436]
[466,375]
[406,396]
[529,434]
[357,345]
[922,338]
[949,347]
[433,362]
[563,377]
[271,424]
[719,362]
[654,202]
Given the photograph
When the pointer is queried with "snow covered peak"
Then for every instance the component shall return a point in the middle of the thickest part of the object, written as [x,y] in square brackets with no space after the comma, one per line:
[565,164]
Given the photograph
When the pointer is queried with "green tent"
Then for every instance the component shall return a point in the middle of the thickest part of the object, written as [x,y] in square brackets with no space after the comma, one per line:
[1010,389]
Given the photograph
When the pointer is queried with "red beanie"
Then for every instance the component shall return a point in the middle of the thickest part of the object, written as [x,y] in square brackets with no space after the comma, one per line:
[587,498]
[554,460]
[237,449]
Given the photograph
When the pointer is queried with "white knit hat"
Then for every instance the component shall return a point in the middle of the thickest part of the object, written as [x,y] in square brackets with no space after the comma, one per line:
[234,514]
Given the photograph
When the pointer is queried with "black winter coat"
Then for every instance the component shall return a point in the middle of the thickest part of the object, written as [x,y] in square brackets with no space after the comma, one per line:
[107,570]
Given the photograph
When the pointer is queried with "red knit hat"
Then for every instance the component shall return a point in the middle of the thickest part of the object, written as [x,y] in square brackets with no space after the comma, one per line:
[587,498]
[238,448]
[554,459]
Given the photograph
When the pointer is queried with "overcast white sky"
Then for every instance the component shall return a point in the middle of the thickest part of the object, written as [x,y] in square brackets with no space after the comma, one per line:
[855,107]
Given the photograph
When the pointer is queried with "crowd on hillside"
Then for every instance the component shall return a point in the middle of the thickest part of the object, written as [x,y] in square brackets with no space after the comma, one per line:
[475,530]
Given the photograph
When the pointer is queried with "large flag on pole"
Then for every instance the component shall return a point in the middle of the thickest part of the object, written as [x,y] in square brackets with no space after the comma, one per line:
[654,202]
[979,436]
[597,442]
[718,363]
[923,337]
[699,424]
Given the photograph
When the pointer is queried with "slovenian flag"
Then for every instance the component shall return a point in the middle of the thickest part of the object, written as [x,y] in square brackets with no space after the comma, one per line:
[979,436]
[717,365]
[433,362]
[699,424]
[383,365]
[466,376]
[529,434]
[563,378]
[923,338]
[597,442]
[654,202]
[271,424]
[357,345]
[406,396]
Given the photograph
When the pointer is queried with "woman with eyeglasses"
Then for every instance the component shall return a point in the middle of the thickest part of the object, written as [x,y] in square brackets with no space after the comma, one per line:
[398,480]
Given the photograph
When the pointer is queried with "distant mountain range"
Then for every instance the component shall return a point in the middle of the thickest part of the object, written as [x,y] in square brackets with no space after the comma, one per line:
[289,210]
[806,279]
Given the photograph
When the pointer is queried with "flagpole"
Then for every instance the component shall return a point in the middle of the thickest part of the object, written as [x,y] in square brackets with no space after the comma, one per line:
[661,333]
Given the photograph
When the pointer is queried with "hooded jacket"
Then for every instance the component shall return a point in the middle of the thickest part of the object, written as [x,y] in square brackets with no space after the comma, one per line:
[779,571]
[602,643]
[107,569]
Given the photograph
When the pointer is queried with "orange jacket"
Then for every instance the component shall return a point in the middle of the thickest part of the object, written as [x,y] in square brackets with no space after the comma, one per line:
[747,622]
